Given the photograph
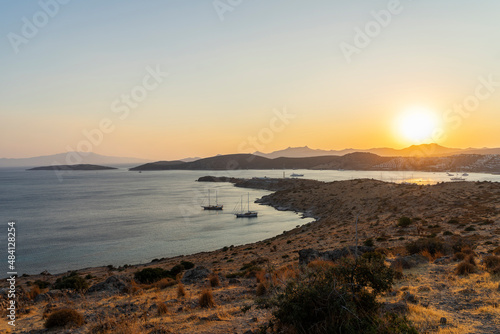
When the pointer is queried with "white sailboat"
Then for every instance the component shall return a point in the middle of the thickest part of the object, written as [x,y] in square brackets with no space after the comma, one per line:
[212,207]
[248,214]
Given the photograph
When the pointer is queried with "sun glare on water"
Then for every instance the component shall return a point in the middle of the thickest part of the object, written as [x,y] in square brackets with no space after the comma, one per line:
[417,125]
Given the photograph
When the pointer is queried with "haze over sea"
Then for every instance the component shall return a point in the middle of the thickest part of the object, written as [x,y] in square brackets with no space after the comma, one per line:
[120,217]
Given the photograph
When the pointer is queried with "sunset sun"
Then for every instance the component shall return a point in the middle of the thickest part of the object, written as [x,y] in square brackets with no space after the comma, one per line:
[417,125]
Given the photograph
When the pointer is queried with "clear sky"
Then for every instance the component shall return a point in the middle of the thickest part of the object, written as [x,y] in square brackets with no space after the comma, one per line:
[418,71]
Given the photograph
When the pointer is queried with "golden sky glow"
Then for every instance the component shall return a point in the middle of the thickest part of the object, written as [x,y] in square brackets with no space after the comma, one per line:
[432,74]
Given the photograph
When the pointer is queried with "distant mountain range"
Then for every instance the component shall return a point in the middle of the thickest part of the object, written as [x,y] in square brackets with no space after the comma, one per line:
[70,158]
[352,161]
[415,150]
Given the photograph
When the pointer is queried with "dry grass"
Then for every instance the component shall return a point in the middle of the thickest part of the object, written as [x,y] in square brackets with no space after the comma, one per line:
[214,280]
[64,317]
[206,299]
[181,291]
[162,309]
[465,268]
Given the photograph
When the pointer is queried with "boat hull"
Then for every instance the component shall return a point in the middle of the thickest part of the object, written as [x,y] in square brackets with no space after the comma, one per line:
[246,215]
[213,207]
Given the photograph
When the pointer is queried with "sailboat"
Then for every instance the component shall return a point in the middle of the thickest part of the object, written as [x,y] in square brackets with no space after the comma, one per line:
[248,214]
[212,207]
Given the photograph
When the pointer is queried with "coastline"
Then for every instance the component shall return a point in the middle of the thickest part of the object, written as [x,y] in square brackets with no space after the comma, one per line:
[335,205]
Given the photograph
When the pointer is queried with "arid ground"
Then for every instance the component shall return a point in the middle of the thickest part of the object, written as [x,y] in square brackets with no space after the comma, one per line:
[437,299]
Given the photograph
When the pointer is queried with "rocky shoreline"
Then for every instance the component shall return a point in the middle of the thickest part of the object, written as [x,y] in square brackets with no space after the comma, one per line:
[114,298]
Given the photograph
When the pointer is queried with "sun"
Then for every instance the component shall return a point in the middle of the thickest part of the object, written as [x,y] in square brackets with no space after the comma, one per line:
[417,125]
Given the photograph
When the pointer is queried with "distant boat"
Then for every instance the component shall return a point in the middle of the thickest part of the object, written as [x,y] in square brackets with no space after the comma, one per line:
[449,174]
[248,214]
[296,175]
[215,207]
[465,174]
[457,179]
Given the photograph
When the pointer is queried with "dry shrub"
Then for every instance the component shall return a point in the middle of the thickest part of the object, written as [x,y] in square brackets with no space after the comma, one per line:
[260,276]
[35,291]
[214,280]
[320,264]
[132,288]
[165,283]
[467,250]
[459,256]
[261,289]
[64,317]
[283,274]
[491,261]
[181,292]
[206,299]
[465,268]
[162,309]
[470,259]
[427,254]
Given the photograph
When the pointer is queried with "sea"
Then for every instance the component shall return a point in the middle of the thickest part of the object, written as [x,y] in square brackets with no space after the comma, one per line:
[83,219]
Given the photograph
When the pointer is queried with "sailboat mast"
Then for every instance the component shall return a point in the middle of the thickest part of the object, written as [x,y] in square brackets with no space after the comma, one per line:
[208,197]
[248,202]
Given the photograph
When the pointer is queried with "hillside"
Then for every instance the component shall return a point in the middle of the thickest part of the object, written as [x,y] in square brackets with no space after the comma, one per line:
[73,167]
[429,150]
[69,158]
[352,161]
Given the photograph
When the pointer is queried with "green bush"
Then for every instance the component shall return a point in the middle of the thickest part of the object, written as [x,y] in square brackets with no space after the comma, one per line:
[432,245]
[151,275]
[42,284]
[71,281]
[335,299]
[404,221]
[64,317]
[187,265]
[369,242]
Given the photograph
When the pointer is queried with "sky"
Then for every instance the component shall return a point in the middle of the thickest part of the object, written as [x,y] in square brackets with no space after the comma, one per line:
[165,80]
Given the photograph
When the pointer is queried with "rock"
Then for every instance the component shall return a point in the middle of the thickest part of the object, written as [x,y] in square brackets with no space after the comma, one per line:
[410,298]
[113,284]
[308,255]
[443,260]
[45,273]
[442,321]
[195,274]
[53,295]
[410,261]
[398,308]
[234,281]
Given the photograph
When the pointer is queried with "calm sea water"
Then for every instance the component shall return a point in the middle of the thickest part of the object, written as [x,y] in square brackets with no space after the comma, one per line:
[120,217]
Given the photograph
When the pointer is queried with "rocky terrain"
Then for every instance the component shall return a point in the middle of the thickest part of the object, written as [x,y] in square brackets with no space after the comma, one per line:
[430,290]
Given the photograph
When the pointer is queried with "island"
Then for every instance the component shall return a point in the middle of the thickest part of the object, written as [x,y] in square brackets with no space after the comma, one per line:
[73,167]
